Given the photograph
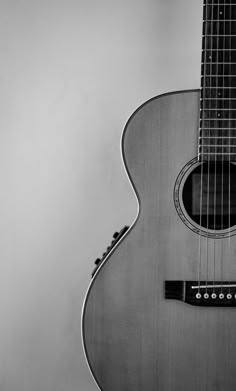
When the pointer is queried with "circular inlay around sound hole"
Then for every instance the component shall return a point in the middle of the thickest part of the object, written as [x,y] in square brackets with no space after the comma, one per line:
[209,195]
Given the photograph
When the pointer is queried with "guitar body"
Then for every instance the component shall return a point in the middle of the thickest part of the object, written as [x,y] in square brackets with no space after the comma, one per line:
[134,338]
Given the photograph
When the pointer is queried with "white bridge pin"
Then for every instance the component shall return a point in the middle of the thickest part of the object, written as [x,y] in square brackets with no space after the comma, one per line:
[221,295]
[213,296]
[206,295]
[229,296]
[198,295]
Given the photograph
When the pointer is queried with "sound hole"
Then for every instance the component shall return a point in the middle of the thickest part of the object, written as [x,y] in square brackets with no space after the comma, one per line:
[209,195]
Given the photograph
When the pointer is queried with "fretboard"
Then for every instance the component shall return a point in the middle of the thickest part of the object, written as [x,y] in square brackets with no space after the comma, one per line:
[217,136]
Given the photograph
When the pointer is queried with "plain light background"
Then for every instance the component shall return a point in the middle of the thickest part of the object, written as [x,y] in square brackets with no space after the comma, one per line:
[72,72]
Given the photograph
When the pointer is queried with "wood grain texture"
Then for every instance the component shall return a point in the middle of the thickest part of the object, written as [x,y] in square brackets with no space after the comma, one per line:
[135,340]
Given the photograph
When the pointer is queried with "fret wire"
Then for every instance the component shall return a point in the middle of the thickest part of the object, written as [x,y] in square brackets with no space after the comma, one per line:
[218,129]
[218,119]
[227,63]
[221,137]
[219,50]
[219,88]
[219,20]
[207,75]
[216,5]
[218,99]
[217,146]
[216,153]
[218,109]
[218,35]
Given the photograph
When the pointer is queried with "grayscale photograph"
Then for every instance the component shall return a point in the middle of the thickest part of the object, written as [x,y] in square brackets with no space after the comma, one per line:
[118,195]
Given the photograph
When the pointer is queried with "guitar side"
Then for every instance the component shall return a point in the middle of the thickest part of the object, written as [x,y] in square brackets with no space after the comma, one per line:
[135,339]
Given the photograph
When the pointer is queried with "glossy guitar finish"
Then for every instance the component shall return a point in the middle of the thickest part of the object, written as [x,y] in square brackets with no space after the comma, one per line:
[134,338]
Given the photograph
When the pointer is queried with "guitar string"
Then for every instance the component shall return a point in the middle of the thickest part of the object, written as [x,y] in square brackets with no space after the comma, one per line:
[202,133]
[222,158]
[209,140]
[222,95]
[224,149]
[215,141]
[229,148]
[218,107]
[208,152]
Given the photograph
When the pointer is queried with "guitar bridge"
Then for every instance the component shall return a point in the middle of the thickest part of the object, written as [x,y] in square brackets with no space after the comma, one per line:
[207,294]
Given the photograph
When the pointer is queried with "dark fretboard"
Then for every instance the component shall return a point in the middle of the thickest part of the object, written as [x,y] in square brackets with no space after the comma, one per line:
[217,136]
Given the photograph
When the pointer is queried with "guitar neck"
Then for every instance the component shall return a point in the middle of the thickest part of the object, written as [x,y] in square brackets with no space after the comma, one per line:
[217,136]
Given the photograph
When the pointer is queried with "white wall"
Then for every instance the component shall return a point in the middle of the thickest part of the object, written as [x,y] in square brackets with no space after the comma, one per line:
[72,72]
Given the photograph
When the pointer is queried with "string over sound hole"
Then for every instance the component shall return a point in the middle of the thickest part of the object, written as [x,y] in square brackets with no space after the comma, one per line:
[209,195]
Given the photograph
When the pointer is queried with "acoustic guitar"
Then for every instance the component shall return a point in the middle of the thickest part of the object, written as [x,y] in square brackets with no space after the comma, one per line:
[160,312]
